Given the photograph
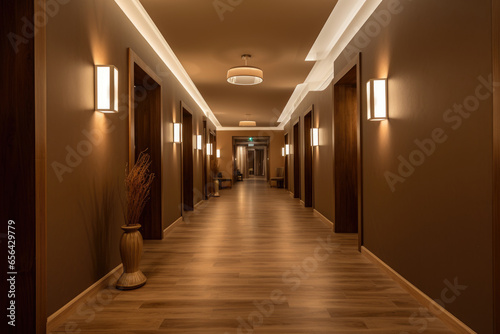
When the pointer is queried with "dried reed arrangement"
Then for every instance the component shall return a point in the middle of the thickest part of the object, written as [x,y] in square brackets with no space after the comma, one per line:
[138,187]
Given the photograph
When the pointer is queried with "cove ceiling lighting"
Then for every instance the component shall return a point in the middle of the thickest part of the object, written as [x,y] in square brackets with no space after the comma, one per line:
[376,90]
[106,88]
[177,132]
[245,75]
[314,136]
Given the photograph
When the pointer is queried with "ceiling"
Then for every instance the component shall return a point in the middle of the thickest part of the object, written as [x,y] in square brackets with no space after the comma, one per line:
[208,41]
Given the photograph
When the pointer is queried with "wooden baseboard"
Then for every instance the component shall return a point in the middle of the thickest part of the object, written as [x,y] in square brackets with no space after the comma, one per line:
[302,203]
[325,220]
[172,226]
[59,317]
[291,194]
[199,203]
[436,309]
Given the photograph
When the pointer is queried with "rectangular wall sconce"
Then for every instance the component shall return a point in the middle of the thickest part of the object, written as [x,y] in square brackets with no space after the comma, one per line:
[198,142]
[177,132]
[106,88]
[209,149]
[287,149]
[376,91]
[282,151]
[315,137]
[218,153]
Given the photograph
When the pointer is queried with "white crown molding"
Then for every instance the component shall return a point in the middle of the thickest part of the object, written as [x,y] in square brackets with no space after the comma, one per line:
[344,22]
[328,46]
[253,128]
[340,18]
[136,13]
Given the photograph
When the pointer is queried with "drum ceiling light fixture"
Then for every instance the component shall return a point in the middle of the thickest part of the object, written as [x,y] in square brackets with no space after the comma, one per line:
[245,75]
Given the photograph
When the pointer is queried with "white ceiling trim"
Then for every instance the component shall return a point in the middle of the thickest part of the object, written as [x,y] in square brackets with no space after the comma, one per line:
[328,46]
[345,21]
[343,13]
[252,128]
[136,13]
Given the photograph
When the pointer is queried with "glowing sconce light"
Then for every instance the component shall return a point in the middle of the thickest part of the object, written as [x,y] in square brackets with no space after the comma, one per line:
[177,132]
[218,153]
[209,149]
[106,88]
[315,136]
[287,149]
[198,142]
[282,151]
[377,99]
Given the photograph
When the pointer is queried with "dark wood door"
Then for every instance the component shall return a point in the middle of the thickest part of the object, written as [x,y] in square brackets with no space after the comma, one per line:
[259,162]
[251,162]
[22,203]
[147,129]
[204,158]
[296,161]
[187,160]
[346,164]
[308,177]
[286,163]
[213,165]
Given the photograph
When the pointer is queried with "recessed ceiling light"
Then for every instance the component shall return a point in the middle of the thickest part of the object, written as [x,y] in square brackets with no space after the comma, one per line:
[245,75]
[248,123]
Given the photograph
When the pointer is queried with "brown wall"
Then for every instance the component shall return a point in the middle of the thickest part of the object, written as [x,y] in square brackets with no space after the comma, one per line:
[82,34]
[225,144]
[436,225]
[322,104]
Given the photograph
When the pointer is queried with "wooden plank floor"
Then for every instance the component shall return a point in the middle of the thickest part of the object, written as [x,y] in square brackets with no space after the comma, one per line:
[256,261]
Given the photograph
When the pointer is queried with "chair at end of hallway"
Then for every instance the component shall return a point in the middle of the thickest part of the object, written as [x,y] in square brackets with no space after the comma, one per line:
[279,178]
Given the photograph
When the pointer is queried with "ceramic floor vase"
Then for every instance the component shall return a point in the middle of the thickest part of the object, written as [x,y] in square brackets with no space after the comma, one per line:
[131,253]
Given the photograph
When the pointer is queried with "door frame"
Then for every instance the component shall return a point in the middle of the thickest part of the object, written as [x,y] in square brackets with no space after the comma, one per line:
[355,62]
[134,59]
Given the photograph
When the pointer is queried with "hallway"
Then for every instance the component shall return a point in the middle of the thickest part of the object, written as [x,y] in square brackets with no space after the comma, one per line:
[255,257]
